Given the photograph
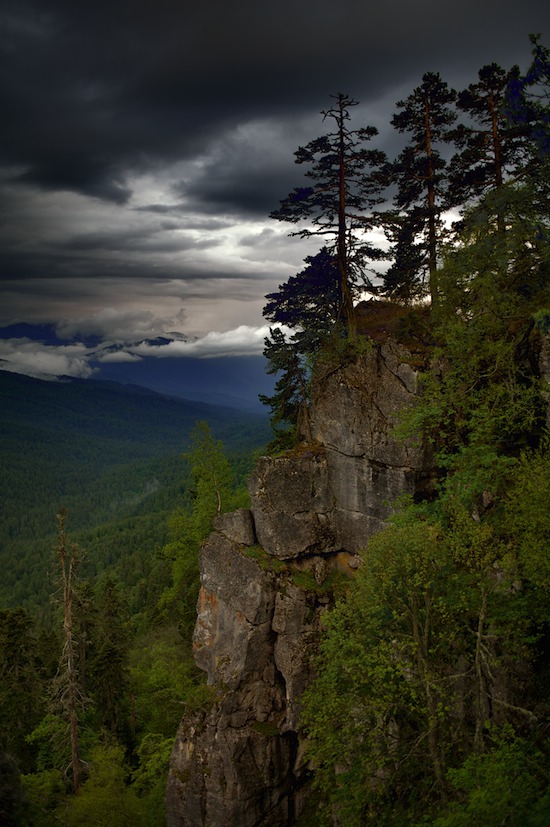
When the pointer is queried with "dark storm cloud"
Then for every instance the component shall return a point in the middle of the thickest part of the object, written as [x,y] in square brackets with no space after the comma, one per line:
[51,266]
[135,241]
[93,90]
[238,189]
[100,99]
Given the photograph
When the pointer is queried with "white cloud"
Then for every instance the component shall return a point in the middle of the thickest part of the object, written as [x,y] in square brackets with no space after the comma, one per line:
[244,340]
[44,361]
[111,356]
[50,361]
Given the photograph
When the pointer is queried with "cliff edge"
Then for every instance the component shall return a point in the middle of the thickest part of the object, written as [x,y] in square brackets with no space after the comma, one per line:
[267,577]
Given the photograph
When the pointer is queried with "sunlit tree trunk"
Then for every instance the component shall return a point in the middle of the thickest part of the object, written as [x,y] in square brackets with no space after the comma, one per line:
[70,692]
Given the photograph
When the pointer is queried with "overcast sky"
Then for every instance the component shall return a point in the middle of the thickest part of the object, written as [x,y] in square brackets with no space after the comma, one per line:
[144,144]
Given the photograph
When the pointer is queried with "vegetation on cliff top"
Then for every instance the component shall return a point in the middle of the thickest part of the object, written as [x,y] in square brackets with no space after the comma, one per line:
[499,130]
[431,705]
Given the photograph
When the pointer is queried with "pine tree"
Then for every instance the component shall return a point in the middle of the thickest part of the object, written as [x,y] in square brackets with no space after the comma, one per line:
[348,181]
[308,304]
[21,687]
[491,150]
[108,667]
[419,173]
[291,388]
[528,98]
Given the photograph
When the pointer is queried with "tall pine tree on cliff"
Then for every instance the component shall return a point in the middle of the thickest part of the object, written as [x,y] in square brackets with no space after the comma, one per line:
[493,148]
[419,172]
[347,183]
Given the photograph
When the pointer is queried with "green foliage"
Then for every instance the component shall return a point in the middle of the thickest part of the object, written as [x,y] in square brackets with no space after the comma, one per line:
[495,146]
[49,739]
[485,403]
[291,388]
[111,456]
[214,492]
[437,639]
[308,301]
[266,561]
[105,800]
[107,667]
[338,349]
[164,680]
[21,701]
[526,515]
[149,779]
[505,785]
[45,791]
[378,710]
[309,305]
[13,804]
[415,225]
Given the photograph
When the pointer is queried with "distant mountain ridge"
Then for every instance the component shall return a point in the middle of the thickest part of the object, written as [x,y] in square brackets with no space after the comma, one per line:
[230,381]
[116,408]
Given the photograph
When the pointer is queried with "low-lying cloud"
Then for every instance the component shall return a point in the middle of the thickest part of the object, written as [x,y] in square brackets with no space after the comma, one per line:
[50,361]
[45,361]
[244,340]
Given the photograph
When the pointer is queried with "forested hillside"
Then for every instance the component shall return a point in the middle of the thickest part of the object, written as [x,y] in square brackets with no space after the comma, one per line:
[107,492]
[112,456]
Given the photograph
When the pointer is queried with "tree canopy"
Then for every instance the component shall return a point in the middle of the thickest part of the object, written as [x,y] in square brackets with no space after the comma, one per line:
[431,701]
[496,127]
[347,181]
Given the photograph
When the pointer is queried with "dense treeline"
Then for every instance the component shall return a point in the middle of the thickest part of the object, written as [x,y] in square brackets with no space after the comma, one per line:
[91,693]
[112,456]
[461,148]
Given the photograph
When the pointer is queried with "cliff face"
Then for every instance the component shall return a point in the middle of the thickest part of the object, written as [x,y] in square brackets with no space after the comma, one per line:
[267,576]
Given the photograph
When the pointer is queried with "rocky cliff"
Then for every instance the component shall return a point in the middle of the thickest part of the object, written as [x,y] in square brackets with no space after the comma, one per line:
[267,576]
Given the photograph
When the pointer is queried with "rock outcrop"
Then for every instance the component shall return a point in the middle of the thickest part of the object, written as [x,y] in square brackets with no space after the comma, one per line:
[267,576]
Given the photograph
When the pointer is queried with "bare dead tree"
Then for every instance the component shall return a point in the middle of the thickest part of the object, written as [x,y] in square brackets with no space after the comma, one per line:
[68,693]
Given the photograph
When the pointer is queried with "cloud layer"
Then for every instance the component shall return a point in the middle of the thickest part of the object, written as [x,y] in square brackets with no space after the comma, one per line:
[83,359]
[143,145]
